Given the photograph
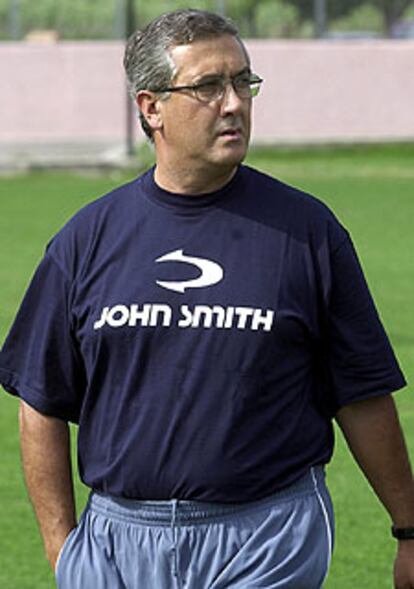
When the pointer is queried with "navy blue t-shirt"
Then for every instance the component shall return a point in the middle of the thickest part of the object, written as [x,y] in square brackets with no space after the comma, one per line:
[203,343]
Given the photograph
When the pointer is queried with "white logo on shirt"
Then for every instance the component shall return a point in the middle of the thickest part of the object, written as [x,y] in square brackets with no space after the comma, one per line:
[211,272]
[205,316]
[162,315]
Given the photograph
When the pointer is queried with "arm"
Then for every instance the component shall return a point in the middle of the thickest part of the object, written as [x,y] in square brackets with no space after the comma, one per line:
[373,433]
[45,447]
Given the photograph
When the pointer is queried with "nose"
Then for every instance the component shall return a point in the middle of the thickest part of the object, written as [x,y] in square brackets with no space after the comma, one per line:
[231,101]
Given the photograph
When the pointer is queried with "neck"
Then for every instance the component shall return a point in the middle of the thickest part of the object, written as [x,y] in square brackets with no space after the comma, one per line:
[191,180]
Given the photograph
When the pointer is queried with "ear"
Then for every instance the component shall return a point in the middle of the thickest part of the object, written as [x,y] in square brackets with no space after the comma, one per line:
[148,104]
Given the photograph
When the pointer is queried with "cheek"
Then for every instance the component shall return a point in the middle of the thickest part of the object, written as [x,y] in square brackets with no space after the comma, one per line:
[198,127]
[247,113]
[190,126]
[177,127]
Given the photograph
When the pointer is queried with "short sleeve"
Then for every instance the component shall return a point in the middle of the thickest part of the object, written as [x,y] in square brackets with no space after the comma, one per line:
[40,361]
[361,362]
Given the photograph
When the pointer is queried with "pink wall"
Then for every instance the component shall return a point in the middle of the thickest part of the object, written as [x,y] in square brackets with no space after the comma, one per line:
[313,91]
[61,92]
[319,91]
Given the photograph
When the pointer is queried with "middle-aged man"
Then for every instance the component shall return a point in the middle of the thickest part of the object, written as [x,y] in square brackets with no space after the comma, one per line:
[203,324]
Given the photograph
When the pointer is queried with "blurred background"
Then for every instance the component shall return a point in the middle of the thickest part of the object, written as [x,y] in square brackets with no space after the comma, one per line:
[335,71]
[106,19]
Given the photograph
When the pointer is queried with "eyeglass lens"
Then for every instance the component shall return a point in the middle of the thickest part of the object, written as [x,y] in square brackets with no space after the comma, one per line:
[244,88]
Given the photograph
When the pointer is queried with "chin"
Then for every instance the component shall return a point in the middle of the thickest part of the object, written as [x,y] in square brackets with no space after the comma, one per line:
[231,157]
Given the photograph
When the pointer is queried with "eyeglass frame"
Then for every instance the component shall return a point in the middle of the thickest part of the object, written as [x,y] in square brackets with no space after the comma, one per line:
[254,79]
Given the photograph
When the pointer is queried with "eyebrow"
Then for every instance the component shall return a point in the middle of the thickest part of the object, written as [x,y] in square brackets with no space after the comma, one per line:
[207,77]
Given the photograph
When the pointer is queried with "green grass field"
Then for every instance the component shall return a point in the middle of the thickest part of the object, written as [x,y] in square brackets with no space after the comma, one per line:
[371,191]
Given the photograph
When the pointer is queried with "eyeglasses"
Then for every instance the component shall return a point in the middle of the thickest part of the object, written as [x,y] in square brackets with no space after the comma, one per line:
[245,85]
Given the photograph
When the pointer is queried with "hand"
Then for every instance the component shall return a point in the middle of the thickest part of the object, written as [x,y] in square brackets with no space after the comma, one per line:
[404,565]
[53,549]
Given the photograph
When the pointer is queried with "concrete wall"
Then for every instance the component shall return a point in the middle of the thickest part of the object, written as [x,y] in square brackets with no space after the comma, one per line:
[313,91]
[61,92]
[325,91]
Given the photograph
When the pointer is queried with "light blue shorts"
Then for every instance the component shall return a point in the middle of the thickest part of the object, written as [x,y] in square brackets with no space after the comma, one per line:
[282,541]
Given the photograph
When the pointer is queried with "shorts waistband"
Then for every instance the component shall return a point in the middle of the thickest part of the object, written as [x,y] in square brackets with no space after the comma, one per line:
[196,512]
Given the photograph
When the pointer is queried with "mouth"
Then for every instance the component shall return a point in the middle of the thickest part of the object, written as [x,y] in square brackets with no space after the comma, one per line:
[234,133]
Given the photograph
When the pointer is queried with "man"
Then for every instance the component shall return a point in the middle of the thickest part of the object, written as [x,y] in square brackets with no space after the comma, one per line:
[203,325]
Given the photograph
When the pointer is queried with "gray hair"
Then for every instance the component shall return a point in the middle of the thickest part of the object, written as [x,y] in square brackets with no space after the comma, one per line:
[147,61]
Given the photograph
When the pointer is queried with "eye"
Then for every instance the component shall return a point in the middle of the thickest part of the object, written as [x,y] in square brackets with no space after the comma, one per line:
[209,89]
[242,81]
[247,85]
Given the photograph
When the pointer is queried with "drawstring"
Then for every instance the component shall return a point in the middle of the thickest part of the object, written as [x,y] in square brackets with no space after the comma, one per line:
[174,529]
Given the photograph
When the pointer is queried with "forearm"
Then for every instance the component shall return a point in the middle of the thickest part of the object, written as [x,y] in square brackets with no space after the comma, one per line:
[45,447]
[374,435]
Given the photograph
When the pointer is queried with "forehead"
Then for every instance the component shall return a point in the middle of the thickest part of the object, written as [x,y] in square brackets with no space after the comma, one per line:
[219,55]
